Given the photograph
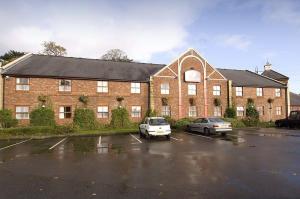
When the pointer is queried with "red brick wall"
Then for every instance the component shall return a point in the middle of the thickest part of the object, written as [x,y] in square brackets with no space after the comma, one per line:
[49,87]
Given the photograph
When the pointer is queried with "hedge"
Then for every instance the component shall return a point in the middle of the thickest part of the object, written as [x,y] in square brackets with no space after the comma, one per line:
[42,117]
[37,130]
[85,118]
[120,118]
[6,119]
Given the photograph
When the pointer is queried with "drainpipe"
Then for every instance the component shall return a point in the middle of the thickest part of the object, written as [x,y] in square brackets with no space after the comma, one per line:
[230,93]
[205,91]
[288,101]
[179,91]
[151,94]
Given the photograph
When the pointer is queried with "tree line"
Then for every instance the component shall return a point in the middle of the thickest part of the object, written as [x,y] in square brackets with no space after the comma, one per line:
[54,49]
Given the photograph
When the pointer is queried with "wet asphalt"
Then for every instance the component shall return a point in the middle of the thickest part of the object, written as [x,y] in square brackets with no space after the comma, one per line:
[256,164]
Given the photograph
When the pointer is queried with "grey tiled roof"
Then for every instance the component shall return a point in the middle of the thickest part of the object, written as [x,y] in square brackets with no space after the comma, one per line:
[81,68]
[245,78]
[295,99]
[274,75]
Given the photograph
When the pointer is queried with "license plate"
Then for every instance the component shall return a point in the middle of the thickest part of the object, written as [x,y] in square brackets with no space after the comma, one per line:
[160,131]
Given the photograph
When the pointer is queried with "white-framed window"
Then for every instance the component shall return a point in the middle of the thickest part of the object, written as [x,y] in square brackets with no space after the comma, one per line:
[261,110]
[277,92]
[217,90]
[136,111]
[65,112]
[192,111]
[239,91]
[165,111]
[22,112]
[102,86]
[240,111]
[102,112]
[135,87]
[217,111]
[165,88]
[259,92]
[278,110]
[65,85]
[22,84]
[192,89]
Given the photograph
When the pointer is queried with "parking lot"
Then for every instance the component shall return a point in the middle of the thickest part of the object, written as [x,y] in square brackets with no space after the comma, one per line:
[253,164]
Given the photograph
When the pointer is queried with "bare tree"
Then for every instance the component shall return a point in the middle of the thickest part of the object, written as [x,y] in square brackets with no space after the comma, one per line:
[116,55]
[51,48]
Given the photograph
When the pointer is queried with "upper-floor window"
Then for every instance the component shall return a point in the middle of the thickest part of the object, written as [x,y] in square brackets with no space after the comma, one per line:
[165,88]
[259,92]
[192,89]
[192,111]
[239,91]
[277,92]
[240,111]
[135,87]
[102,86]
[22,84]
[102,112]
[166,111]
[65,112]
[216,90]
[22,112]
[136,111]
[65,85]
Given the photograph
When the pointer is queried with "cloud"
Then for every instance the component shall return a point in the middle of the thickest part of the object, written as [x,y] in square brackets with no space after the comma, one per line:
[240,42]
[89,28]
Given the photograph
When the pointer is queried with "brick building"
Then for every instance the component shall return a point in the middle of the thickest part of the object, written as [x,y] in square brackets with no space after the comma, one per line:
[187,87]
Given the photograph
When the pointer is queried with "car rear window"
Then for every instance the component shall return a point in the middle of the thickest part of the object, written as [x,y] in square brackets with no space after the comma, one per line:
[215,120]
[156,122]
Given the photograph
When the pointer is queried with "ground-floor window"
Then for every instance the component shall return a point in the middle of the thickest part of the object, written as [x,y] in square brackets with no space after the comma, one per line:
[166,111]
[260,110]
[136,111]
[217,111]
[240,111]
[65,112]
[22,112]
[192,111]
[102,112]
[278,110]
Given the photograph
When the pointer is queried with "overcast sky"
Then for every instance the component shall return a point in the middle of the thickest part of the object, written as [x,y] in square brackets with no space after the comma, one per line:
[239,34]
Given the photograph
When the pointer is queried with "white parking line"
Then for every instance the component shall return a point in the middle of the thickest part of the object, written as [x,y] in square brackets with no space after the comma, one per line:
[136,138]
[201,136]
[176,139]
[57,143]
[15,144]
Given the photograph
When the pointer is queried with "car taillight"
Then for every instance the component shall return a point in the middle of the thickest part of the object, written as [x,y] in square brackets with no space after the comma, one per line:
[215,126]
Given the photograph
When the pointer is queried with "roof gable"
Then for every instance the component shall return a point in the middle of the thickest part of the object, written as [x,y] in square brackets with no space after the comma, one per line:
[274,75]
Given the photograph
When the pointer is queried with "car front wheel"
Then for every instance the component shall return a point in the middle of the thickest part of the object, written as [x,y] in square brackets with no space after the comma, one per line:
[206,131]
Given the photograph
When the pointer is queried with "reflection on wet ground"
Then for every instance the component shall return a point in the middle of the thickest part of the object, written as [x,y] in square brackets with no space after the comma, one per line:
[243,165]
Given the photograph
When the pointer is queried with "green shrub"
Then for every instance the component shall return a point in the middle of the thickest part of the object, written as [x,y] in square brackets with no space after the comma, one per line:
[236,123]
[230,112]
[84,118]
[252,115]
[151,113]
[38,130]
[6,119]
[182,123]
[170,121]
[42,117]
[120,118]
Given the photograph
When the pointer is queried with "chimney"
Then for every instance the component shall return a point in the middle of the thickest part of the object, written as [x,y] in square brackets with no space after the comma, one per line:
[268,66]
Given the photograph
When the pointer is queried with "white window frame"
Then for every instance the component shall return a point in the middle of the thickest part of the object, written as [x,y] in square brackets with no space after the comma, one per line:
[260,110]
[240,111]
[239,91]
[136,111]
[259,92]
[278,110]
[166,111]
[22,86]
[22,112]
[135,87]
[165,89]
[102,86]
[217,111]
[192,89]
[192,111]
[102,112]
[63,113]
[65,88]
[217,90]
[277,92]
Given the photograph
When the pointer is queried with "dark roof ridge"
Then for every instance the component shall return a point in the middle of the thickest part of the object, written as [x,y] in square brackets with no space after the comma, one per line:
[267,77]
[135,62]
[279,73]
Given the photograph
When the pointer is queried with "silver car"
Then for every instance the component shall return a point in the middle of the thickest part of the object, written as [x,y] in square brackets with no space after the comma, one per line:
[210,125]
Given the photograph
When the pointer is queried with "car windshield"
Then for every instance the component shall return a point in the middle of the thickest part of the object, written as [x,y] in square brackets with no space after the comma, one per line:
[157,122]
[215,120]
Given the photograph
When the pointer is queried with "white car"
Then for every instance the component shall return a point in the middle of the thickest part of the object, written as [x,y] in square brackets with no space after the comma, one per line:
[155,126]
